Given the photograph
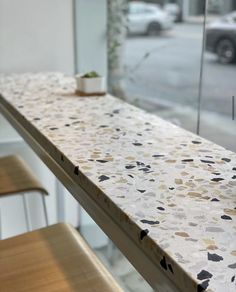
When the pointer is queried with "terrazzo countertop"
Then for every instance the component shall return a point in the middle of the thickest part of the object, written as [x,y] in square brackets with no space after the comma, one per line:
[174,192]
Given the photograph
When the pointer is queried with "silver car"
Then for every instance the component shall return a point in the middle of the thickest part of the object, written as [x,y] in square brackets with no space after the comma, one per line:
[150,19]
[221,38]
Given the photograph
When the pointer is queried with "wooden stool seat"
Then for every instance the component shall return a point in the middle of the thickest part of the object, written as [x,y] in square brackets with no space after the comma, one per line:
[16,177]
[54,258]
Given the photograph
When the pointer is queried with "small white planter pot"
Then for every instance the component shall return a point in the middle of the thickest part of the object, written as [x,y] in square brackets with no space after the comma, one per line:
[90,85]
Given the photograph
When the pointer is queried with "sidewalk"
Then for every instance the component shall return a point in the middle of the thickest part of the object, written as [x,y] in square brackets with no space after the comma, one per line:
[199,19]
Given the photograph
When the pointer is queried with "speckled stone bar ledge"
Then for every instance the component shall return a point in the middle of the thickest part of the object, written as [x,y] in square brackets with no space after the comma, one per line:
[172,191]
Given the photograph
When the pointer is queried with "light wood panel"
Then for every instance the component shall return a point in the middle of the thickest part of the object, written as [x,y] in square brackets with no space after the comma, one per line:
[55,258]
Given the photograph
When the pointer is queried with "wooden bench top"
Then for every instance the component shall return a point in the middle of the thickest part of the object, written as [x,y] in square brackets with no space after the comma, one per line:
[55,258]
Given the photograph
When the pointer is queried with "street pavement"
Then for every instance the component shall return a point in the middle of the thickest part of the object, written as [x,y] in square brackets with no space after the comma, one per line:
[162,75]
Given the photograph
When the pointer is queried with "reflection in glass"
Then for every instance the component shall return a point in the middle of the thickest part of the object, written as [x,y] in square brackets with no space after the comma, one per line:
[219,74]
[162,58]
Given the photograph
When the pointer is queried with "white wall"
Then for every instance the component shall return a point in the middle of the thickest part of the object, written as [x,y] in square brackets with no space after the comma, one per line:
[36,35]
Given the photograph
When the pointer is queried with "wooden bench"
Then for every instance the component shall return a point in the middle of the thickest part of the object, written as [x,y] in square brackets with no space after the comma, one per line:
[54,258]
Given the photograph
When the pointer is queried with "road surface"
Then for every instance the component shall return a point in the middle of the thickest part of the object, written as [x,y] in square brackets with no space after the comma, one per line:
[171,69]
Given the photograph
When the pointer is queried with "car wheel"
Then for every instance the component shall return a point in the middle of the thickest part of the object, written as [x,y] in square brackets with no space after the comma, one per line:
[226,51]
[153,29]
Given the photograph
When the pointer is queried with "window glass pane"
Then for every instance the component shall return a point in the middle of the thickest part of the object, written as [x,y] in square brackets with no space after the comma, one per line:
[162,60]
[219,75]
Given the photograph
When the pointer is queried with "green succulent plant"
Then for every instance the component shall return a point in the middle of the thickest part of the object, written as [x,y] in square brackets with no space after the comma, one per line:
[92,74]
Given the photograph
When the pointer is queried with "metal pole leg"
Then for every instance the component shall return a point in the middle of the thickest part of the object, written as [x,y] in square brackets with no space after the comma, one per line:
[26,213]
[110,251]
[45,209]
[60,201]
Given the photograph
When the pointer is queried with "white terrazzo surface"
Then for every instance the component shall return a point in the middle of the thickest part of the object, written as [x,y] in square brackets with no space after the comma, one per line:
[174,192]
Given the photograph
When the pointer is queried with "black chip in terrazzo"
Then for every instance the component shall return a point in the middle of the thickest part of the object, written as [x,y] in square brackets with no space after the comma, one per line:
[151,222]
[233,278]
[163,263]
[146,169]
[226,159]
[170,268]
[129,166]
[214,257]
[217,179]
[226,217]
[137,144]
[161,208]
[76,170]
[36,119]
[103,126]
[196,142]
[171,188]
[130,175]
[234,168]
[202,287]
[207,161]
[110,115]
[143,233]
[187,160]
[103,177]
[117,111]
[67,125]
[142,191]
[53,128]
[152,179]
[216,173]
[204,275]
[101,160]
[215,200]
[232,266]
[234,177]
[158,155]
[140,163]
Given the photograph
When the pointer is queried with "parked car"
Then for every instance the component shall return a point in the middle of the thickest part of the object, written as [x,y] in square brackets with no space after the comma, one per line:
[147,18]
[221,38]
[174,10]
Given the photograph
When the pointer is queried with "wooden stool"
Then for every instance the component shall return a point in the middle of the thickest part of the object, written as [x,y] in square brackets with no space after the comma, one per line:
[16,177]
[54,258]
